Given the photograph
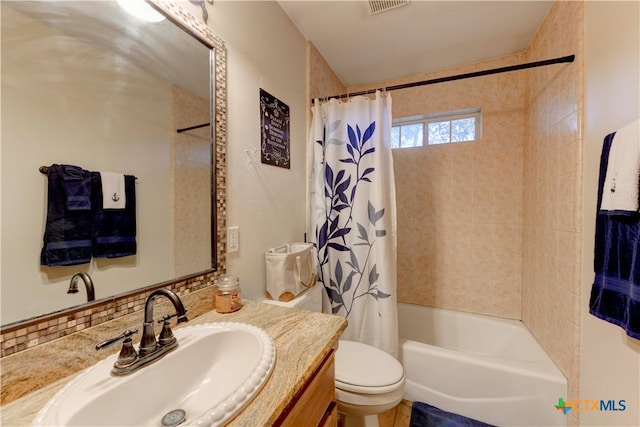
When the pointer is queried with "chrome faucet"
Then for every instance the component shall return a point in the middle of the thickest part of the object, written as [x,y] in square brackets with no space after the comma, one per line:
[88,284]
[150,348]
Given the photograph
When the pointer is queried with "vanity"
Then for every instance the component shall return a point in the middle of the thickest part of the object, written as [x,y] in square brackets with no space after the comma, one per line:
[299,390]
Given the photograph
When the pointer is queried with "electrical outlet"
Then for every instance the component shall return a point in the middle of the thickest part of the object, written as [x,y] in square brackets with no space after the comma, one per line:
[233,239]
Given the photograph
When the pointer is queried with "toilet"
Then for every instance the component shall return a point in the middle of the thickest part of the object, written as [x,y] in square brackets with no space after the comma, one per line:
[369,381]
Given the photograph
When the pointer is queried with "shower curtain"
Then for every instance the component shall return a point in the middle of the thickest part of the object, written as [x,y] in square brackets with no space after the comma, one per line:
[352,215]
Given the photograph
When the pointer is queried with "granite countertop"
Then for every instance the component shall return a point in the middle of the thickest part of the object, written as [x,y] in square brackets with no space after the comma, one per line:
[302,340]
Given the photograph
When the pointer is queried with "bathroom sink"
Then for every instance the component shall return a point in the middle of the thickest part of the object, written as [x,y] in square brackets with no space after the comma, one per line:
[214,373]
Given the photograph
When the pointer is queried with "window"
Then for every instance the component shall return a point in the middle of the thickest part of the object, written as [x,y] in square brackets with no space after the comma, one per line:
[439,128]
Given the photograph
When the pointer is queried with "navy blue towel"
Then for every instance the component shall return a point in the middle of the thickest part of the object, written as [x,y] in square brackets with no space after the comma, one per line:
[114,230]
[615,293]
[69,225]
[424,415]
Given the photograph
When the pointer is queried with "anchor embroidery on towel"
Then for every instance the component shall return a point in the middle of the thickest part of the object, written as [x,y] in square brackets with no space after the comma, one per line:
[115,197]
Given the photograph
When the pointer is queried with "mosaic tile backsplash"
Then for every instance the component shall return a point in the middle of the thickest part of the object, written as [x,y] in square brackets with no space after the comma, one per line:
[30,333]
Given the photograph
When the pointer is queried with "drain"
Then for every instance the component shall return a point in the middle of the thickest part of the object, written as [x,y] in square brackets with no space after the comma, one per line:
[173,418]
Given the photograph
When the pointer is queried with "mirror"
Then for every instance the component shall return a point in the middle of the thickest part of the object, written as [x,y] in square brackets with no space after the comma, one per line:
[86,84]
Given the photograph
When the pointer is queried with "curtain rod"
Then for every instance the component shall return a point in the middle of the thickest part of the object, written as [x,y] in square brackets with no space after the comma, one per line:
[569,58]
[193,127]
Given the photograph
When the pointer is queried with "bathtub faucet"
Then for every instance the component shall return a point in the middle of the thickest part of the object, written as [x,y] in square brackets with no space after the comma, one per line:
[88,284]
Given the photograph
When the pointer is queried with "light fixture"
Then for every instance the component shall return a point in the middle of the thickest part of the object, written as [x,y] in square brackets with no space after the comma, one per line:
[141,10]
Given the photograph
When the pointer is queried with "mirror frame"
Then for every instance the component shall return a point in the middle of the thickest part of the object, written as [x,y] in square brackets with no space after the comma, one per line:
[175,13]
[218,133]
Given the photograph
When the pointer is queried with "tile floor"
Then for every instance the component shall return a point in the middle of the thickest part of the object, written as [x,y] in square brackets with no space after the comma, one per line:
[396,417]
[400,416]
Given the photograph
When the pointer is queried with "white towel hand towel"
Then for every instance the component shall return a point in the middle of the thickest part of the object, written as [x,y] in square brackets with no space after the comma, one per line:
[620,191]
[113,193]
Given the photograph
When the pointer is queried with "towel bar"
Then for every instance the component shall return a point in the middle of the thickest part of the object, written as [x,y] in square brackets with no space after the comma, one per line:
[45,169]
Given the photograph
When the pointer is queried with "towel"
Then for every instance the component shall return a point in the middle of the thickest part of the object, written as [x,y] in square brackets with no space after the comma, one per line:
[114,230]
[76,183]
[620,196]
[114,195]
[615,292]
[69,224]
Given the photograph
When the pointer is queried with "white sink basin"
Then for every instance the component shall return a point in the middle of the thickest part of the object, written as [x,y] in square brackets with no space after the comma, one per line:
[214,373]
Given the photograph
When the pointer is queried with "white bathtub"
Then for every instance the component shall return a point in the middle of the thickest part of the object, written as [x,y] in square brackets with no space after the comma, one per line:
[482,367]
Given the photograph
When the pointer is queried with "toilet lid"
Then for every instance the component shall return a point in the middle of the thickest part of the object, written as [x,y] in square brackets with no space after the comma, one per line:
[363,365]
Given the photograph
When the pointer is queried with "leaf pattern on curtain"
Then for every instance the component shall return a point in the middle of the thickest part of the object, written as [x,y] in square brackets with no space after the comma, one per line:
[352,215]
[358,277]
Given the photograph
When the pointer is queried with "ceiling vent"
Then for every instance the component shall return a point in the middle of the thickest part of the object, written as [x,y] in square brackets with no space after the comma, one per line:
[379,6]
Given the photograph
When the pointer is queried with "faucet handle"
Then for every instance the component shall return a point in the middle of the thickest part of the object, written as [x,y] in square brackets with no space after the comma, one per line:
[166,335]
[127,355]
[126,335]
[181,317]
[165,319]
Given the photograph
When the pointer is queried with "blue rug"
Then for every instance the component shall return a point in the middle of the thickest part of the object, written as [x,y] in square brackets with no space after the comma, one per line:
[423,415]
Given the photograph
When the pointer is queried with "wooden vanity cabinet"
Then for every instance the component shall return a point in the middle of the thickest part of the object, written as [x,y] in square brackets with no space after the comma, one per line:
[314,404]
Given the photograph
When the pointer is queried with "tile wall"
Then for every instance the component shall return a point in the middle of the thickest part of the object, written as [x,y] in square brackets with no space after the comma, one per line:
[460,205]
[553,192]
[191,232]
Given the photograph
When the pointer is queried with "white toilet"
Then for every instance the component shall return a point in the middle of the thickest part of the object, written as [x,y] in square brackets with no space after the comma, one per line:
[369,381]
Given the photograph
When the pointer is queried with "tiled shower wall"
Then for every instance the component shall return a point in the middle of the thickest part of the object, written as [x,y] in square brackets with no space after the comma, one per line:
[191,177]
[460,205]
[553,192]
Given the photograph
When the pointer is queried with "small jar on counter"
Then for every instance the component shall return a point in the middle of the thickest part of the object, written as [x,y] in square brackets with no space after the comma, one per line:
[228,297]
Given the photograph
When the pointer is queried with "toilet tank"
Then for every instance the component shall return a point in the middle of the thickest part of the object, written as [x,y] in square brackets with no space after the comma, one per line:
[310,299]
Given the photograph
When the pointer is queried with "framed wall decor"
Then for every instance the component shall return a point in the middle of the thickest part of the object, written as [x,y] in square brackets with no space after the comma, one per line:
[274,131]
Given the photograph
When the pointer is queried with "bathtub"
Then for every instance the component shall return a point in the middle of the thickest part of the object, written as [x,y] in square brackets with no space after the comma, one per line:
[482,367]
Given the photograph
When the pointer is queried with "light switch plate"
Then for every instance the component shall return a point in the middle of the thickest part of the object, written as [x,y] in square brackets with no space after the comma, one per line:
[233,239]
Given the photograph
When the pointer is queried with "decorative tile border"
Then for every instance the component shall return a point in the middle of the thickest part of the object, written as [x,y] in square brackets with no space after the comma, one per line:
[30,333]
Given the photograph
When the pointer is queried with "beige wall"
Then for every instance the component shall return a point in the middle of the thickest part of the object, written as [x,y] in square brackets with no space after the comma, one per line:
[267,203]
[610,360]
[552,192]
